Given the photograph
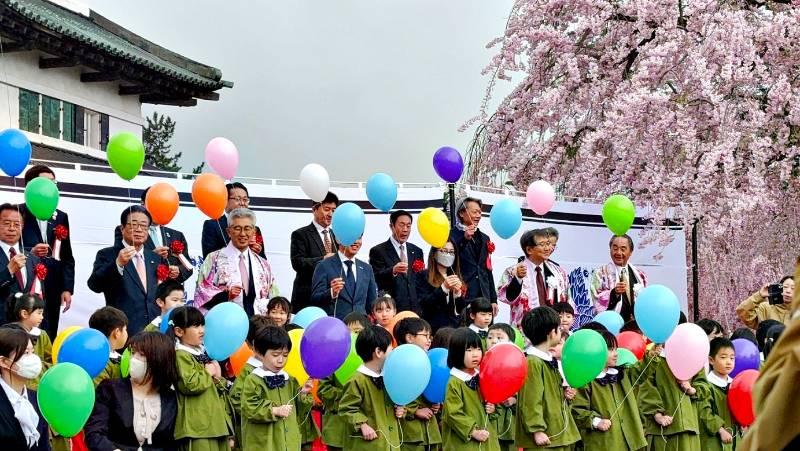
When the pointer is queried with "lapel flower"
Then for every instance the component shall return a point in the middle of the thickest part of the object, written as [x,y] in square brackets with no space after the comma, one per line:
[176,247]
[418,265]
[162,272]
[490,246]
[637,287]
[41,271]
[259,239]
[61,232]
[552,282]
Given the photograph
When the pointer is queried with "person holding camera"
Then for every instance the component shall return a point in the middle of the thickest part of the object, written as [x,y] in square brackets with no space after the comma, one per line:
[770,302]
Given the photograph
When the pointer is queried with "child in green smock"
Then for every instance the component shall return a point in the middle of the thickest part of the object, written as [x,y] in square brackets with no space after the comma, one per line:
[113,323]
[543,416]
[273,403]
[717,428]
[479,317]
[28,312]
[504,418]
[202,423]
[370,416]
[466,419]
[169,295]
[257,322]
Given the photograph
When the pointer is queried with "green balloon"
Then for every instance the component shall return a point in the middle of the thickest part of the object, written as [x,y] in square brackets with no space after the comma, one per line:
[618,214]
[125,362]
[66,398]
[351,364]
[519,339]
[625,357]
[583,357]
[125,154]
[41,198]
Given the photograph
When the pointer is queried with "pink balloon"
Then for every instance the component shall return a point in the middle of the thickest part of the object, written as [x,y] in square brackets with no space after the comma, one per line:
[223,157]
[687,351]
[541,197]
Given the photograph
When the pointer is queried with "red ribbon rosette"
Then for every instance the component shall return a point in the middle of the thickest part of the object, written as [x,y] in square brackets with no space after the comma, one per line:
[162,272]
[41,271]
[176,247]
[259,239]
[418,265]
[490,246]
[61,232]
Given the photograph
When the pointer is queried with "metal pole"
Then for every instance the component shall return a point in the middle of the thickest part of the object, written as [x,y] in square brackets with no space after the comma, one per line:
[451,189]
[695,274]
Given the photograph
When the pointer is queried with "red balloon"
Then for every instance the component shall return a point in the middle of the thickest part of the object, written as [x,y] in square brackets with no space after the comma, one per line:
[502,372]
[633,342]
[740,397]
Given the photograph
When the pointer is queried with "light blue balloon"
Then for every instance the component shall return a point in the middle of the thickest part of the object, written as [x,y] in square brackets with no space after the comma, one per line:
[506,218]
[440,375]
[612,320]
[381,191]
[657,311]
[348,223]
[15,151]
[165,321]
[87,348]
[308,315]
[406,373]
[226,330]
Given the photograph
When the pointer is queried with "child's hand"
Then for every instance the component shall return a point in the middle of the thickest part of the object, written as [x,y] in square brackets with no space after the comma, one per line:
[368,433]
[655,350]
[399,411]
[213,369]
[282,411]
[725,435]
[490,408]
[570,393]
[436,408]
[663,420]
[424,414]
[604,425]
[307,387]
[687,388]
[541,439]
[480,435]
[510,402]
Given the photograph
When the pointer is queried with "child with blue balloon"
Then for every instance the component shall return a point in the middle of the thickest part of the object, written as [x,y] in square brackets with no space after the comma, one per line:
[113,323]
[504,420]
[169,295]
[28,311]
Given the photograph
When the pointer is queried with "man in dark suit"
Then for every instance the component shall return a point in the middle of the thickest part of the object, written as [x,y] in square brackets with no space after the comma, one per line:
[393,259]
[215,235]
[127,274]
[309,245]
[473,250]
[51,241]
[343,284]
[17,272]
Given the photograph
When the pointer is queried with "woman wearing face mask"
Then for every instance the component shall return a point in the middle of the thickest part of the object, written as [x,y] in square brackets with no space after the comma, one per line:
[138,412]
[441,289]
[22,427]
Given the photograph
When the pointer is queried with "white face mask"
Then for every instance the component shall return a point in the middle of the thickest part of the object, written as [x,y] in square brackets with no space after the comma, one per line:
[29,366]
[137,370]
[445,260]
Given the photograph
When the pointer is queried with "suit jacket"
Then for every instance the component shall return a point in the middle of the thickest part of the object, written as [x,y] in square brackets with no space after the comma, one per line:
[358,299]
[475,269]
[306,251]
[439,309]
[125,291]
[168,235]
[110,426]
[11,436]
[60,273]
[215,236]
[402,287]
[9,284]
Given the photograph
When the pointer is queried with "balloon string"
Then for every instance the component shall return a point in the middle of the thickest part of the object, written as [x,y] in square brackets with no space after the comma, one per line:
[563,418]
[21,223]
[384,435]
[219,226]
[644,370]
[672,416]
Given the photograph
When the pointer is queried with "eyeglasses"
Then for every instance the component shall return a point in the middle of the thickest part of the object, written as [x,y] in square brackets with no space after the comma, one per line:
[245,229]
[10,224]
[446,252]
[241,200]
[138,225]
[545,245]
[427,336]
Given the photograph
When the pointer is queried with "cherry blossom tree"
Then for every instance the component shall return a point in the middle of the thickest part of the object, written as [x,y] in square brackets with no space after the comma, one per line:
[690,107]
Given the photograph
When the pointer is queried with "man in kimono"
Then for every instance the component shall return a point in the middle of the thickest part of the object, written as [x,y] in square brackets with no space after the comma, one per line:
[615,285]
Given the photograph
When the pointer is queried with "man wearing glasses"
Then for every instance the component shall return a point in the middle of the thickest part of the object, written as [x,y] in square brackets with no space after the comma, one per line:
[215,236]
[615,285]
[17,271]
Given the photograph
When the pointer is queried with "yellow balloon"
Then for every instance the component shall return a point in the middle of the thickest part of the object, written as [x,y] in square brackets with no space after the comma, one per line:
[60,340]
[294,365]
[434,226]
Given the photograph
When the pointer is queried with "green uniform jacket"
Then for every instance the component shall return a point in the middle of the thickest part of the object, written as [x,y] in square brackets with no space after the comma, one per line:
[201,409]
[713,413]
[235,397]
[110,372]
[261,430]
[150,327]
[44,349]
[503,422]
[417,431]
[540,408]
[463,412]
[363,402]
[600,399]
[334,427]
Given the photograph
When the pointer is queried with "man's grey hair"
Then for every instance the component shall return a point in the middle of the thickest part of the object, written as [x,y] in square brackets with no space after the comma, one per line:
[242,213]
[625,236]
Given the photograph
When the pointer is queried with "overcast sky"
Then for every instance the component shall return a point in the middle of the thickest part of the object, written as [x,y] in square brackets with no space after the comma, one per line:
[358,86]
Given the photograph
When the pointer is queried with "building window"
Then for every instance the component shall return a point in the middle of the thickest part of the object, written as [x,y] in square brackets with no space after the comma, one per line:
[28,111]
[68,119]
[51,117]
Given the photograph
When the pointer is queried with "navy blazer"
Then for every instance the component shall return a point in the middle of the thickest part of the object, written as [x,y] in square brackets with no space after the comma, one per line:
[11,436]
[350,300]
[9,284]
[473,255]
[306,250]
[125,291]
[168,235]
[438,309]
[402,287]
[215,236]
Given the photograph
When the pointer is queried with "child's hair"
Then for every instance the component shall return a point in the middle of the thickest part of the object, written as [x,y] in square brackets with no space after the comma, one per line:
[185,317]
[19,302]
[632,326]
[356,317]
[478,305]
[279,301]
[682,318]
[717,344]
[107,320]
[745,333]
[369,339]
[594,325]
[441,339]
[272,338]
[507,329]
[462,339]
[257,322]
[710,326]
[411,326]
[290,327]
[383,300]
[611,340]
[564,307]
[538,323]
[166,287]
[761,331]
[771,338]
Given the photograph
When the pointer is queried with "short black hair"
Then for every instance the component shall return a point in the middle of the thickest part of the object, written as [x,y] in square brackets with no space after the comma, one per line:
[144,194]
[771,340]
[528,239]
[279,301]
[632,326]
[397,214]
[356,317]
[12,207]
[594,325]
[330,198]
[507,329]
[272,338]
[785,278]
[538,323]
[166,287]
[411,326]
[761,331]
[257,322]
[745,333]
[462,339]
[19,302]
[682,318]
[185,317]
[710,326]
[717,344]
[564,307]
[611,340]
[371,338]
[36,171]
[236,185]
[123,218]
[441,339]
[108,319]
[478,305]
[290,327]
[626,236]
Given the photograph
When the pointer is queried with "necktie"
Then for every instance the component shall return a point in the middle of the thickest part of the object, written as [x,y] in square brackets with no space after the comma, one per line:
[540,288]
[244,273]
[327,241]
[403,257]
[625,278]
[273,382]
[154,235]
[18,274]
[350,278]
[138,261]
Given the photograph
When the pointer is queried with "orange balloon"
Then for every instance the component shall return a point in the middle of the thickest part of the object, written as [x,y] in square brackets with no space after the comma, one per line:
[162,202]
[210,195]
[396,319]
[315,394]
[239,358]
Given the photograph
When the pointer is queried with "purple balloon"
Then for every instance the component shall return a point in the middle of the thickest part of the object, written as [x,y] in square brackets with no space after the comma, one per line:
[448,164]
[747,356]
[324,347]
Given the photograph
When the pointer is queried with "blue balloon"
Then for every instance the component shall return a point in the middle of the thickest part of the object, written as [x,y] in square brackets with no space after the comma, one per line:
[15,151]
[657,311]
[612,320]
[406,373]
[440,375]
[506,218]
[308,315]
[348,223]
[164,327]
[226,329]
[381,191]
[87,348]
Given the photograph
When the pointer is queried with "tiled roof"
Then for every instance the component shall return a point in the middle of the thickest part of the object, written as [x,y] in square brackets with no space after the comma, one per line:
[48,154]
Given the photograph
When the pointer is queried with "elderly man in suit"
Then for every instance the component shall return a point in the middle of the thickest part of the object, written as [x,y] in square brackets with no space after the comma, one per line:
[127,274]
[342,284]
[616,284]
[309,245]
[215,235]
[18,272]
[474,250]
[393,263]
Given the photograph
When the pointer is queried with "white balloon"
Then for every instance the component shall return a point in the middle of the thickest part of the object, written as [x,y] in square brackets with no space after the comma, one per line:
[315,182]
